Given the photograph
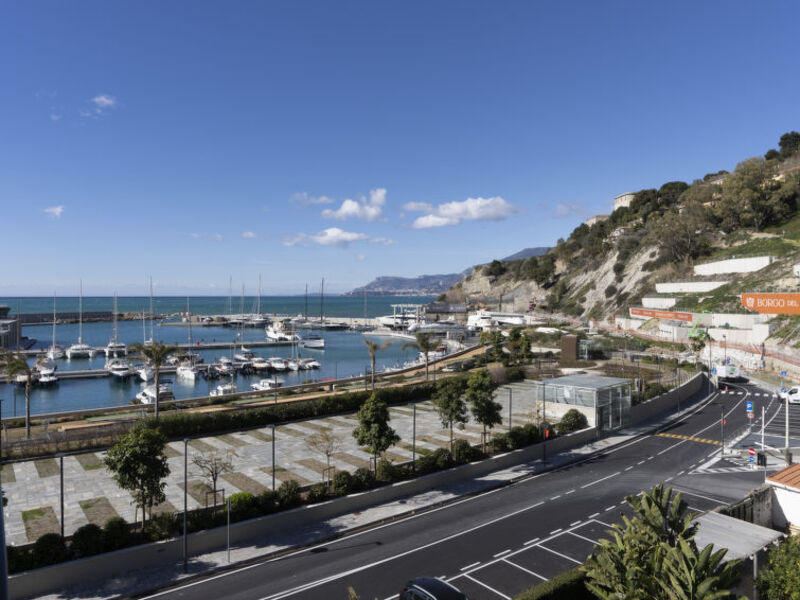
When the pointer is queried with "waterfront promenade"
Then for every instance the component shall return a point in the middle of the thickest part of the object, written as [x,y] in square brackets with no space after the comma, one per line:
[91,496]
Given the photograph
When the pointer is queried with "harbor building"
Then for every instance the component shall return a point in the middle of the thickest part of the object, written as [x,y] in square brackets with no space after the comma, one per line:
[9,330]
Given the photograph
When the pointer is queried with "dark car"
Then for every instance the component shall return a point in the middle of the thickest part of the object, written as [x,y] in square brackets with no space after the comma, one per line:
[430,588]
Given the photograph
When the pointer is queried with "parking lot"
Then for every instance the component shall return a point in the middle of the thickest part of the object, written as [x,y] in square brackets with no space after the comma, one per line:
[517,569]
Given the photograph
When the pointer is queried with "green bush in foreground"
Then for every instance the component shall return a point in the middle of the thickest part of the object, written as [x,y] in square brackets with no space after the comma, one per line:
[573,420]
[87,541]
[781,578]
[569,585]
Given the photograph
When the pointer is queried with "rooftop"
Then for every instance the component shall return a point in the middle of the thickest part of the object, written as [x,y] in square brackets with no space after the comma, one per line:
[587,381]
[789,477]
[742,539]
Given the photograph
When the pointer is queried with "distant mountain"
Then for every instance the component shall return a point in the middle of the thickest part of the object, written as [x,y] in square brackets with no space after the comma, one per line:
[526,253]
[412,286]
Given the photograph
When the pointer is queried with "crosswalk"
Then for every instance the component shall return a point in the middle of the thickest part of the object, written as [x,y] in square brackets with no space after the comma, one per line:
[720,470]
[755,394]
[677,436]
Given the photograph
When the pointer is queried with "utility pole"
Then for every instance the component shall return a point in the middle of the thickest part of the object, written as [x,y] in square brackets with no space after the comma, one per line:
[787,451]
[510,414]
[185,506]
[61,476]
[273,457]
[414,438]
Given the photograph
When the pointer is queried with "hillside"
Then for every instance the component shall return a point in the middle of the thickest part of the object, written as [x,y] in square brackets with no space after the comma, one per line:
[604,268]
[526,253]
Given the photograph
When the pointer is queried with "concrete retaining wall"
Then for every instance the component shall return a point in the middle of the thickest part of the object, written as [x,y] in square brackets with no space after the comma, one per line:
[57,577]
[659,302]
[757,335]
[733,265]
[670,400]
[688,287]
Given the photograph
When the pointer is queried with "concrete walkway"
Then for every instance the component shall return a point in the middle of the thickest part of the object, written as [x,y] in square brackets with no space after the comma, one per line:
[92,496]
[141,581]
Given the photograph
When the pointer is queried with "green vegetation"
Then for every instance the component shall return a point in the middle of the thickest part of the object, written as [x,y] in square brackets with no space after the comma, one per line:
[156,356]
[780,580]
[570,585]
[450,405]
[756,247]
[373,431]
[573,420]
[481,400]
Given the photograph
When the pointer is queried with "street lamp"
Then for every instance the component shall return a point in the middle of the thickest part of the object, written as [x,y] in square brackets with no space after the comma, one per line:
[185,506]
[725,345]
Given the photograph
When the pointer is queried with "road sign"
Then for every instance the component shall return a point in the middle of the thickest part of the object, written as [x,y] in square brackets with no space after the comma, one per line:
[714,371]
[783,389]
[750,415]
[752,453]
[783,373]
[749,406]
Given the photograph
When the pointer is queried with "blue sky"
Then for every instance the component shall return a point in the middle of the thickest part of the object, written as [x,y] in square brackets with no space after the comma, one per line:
[196,141]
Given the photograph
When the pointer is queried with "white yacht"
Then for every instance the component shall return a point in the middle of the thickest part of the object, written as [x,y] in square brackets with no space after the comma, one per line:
[226,366]
[259,363]
[277,364]
[80,350]
[146,373]
[44,366]
[186,372]
[292,364]
[115,348]
[277,333]
[267,385]
[119,368]
[399,320]
[309,363]
[312,341]
[437,327]
[47,379]
[223,389]
[54,352]
[244,355]
[148,394]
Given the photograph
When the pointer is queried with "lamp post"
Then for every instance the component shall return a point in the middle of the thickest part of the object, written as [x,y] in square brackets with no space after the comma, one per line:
[414,438]
[61,478]
[273,457]
[185,505]
[510,414]
[725,344]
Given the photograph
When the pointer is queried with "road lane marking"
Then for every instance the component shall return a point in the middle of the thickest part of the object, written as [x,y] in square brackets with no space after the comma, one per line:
[602,523]
[612,507]
[583,537]
[575,523]
[533,541]
[499,554]
[709,498]
[597,514]
[555,531]
[513,564]
[468,567]
[569,492]
[556,497]
[491,589]
[628,468]
[577,562]
[599,480]
[641,462]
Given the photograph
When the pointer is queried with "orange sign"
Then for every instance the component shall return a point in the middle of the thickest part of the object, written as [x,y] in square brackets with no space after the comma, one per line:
[662,314]
[772,304]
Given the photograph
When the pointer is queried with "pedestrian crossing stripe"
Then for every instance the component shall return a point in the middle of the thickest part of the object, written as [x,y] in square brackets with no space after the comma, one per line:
[677,436]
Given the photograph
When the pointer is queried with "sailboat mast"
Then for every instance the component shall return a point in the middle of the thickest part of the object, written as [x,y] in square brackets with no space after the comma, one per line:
[230,296]
[305,310]
[152,339]
[115,318]
[80,312]
[189,318]
[54,320]
[321,300]
[258,306]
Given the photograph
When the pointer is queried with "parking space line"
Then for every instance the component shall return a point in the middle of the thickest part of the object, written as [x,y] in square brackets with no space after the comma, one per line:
[555,531]
[529,542]
[499,554]
[709,498]
[628,468]
[594,515]
[602,523]
[583,537]
[569,492]
[513,564]
[599,480]
[491,589]
[577,562]
[612,507]
[575,523]
[468,567]
[641,462]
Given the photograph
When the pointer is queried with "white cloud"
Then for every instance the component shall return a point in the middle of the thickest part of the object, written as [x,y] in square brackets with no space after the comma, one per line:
[304,198]
[248,235]
[213,237]
[382,240]
[367,209]
[104,101]
[563,210]
[54,212]
[55,117]
[333,236]
[452,213]
[361,258]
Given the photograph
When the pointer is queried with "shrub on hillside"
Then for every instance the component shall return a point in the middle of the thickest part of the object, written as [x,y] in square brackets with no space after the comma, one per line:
[514,374]
[87,540]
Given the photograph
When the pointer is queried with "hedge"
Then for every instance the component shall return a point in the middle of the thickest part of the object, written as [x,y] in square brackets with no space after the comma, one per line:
[569,585]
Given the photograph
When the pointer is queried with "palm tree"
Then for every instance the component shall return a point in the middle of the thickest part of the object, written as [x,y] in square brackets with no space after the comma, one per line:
[425,344]
[372,348]
[156,354]
[16,364]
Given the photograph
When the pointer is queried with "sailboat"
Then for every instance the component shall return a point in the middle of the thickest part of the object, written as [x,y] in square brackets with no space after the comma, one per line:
[54,352]
[188,370]
[115,348]
[257,319]
[152,340]
[80,350]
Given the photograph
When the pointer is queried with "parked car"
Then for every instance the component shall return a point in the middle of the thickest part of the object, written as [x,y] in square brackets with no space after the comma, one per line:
[431,588]
[792,395]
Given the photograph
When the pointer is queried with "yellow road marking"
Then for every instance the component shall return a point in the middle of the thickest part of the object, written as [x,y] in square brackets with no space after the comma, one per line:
[690,438]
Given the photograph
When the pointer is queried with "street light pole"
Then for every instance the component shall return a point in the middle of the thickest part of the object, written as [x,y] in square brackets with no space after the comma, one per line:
[185,505]
[273,457]
[414,439]
[787,452]
[510,414]
[61,477]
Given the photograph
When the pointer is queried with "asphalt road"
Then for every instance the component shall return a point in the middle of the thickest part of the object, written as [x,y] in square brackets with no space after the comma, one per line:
[499,543]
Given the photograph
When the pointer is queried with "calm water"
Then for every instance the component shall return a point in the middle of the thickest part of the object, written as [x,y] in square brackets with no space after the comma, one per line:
[334,306]
[345,355]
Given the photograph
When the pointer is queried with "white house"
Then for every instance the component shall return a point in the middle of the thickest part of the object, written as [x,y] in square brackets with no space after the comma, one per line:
[786,498]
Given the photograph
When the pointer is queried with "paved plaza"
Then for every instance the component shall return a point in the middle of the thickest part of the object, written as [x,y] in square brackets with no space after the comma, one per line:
[91,496]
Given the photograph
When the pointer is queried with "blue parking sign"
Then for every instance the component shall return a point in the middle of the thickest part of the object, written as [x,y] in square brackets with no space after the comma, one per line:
[749,406]
[783,389]
[714,371]
[783,373]
[752,459]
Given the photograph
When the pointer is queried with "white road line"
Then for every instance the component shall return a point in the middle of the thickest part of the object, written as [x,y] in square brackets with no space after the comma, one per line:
[628,468]
[612,507]
[533,541]
[679,473]
[709,498]
[556,497]
[577,562]
[513,564]
[599,480]
[641,462]
[575,523]
[538,504]
[669,479]
[555,531]
[468,567]
[499,554]
[491,589]
[583,537]
[569,492]
[594,515]
[602,523]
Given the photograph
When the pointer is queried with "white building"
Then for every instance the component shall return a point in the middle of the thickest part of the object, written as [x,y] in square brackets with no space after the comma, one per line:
[786,498]
[624,200]
[595,219]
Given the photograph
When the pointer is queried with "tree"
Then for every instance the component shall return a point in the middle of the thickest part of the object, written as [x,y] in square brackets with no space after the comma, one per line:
[747,194]
[480,395]
[425,343]
[372,348]
[789,143]
[781,578]
[373,431]
[212,466]
[494,269]
[449,403]
[573,420]
[155,354]
[653,555]
[325,442]
[16,364]
[139,465]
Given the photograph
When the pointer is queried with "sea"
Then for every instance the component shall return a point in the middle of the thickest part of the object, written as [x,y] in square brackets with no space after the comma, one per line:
[345,353]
